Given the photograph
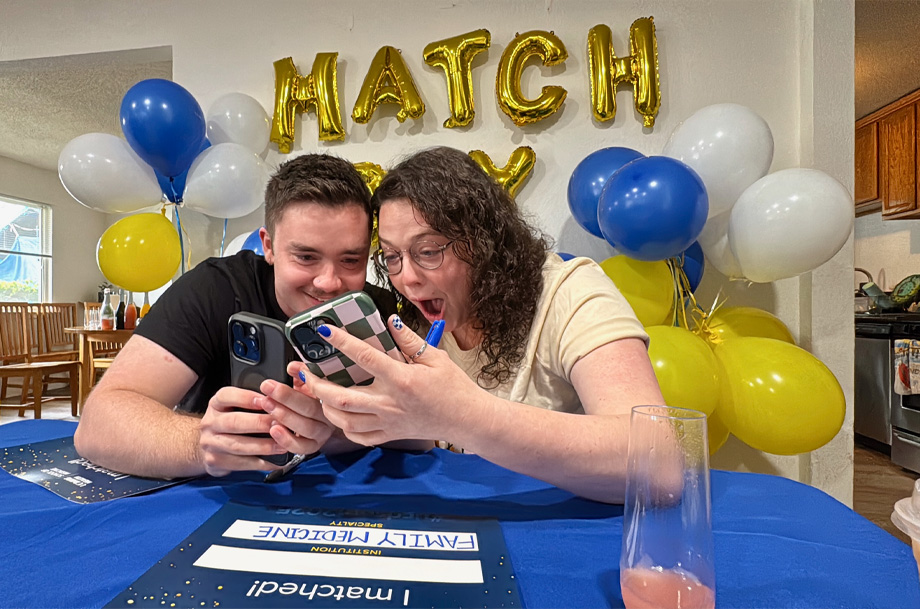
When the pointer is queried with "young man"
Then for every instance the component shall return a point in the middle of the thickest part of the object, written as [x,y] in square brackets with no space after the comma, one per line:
[316,240]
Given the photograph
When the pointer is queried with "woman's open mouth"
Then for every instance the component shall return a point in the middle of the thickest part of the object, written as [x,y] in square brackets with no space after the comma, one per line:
[432,309]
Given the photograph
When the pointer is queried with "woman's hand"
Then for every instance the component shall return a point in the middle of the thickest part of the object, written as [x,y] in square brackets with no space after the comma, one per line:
[407,400]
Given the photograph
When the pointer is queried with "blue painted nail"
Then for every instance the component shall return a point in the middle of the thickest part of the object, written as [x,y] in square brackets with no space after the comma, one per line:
[397,323]
[324,331]
[303,377]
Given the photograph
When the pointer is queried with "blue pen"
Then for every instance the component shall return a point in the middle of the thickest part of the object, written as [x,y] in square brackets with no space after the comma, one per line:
[435,333]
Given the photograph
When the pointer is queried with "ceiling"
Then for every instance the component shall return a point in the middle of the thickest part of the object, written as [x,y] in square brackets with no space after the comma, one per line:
[887,52]
[47,102]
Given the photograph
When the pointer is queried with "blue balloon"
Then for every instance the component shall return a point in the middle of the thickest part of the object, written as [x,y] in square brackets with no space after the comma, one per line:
[174,187]
[564,256]
[163,124]
[653,208]
[588,181]
[253,243]
[694,264]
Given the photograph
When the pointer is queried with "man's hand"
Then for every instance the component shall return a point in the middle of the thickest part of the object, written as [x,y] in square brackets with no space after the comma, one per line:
[225,446]
[297,421]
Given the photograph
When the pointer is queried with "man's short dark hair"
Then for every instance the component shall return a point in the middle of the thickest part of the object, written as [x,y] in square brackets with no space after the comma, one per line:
[315,178]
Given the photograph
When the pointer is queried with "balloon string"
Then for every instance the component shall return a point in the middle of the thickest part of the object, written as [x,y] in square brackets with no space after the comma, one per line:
[182,249]
[702,326]
[687,311]
[172,187]
[223,237]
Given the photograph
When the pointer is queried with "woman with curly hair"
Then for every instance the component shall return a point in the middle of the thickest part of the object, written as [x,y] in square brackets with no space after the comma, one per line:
[541,360]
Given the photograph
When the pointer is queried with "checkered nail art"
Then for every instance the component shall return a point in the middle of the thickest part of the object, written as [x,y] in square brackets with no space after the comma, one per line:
[397,323]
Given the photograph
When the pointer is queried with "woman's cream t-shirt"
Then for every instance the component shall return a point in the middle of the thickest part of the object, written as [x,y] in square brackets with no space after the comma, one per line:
[580,309]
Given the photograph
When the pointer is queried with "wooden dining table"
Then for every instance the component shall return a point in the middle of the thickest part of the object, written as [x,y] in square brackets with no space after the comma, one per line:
[85,333]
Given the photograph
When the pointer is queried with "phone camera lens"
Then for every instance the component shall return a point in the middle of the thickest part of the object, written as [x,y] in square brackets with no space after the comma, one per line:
[239,349]
[317,350]
[237,330]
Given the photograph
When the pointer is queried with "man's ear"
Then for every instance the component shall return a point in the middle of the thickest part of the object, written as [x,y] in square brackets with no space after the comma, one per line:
[267,245]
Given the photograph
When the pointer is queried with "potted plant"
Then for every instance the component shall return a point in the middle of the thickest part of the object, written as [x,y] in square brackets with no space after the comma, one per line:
[102,286]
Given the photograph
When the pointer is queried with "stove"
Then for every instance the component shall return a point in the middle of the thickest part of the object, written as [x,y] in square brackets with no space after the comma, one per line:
[878,412]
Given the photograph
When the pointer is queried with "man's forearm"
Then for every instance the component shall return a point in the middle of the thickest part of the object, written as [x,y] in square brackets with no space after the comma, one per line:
[133,434]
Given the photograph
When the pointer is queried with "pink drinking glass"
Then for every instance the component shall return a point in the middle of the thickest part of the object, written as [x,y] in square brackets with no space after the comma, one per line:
[667,557]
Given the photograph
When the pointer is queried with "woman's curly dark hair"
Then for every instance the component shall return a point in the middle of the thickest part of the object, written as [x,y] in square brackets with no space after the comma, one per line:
[506,255]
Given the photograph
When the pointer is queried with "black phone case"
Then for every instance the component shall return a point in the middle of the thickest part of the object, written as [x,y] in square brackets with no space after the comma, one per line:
[276,352]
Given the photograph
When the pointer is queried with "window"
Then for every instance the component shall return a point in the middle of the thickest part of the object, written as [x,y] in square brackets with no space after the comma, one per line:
[25,251]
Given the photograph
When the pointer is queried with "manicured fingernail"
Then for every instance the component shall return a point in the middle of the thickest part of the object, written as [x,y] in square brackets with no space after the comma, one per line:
[303,377]
[324,331]
[397,323]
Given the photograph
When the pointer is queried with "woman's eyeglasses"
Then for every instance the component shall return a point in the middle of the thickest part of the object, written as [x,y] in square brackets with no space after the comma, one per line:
[427,254]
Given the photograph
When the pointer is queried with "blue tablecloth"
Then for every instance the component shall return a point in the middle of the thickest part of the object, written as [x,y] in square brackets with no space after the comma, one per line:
[778,543]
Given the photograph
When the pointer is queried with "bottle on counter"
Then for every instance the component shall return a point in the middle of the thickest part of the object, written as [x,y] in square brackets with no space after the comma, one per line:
[146,307]
[130,312]
[107,313]
[120,311]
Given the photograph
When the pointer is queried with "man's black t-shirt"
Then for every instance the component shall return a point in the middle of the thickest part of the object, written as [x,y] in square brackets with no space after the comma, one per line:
[190,319]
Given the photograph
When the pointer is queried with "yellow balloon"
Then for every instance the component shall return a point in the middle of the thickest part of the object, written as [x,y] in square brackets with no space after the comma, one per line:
[647,286]
[640,69]
[295,93]
[718,432]
[511,100]
[733,322]
[139,253]
[686,369]
[455,56]
[783,400]
[388,81]
[513,175]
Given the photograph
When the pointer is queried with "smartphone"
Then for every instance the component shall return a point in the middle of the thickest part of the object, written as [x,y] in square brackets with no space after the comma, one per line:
[259,350]
[354,312]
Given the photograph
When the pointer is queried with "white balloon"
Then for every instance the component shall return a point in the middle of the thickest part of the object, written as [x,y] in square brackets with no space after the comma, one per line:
[788,223]
[239,119]
[226,181]
[730,146]
[236,244]
[718,252]
[101,171]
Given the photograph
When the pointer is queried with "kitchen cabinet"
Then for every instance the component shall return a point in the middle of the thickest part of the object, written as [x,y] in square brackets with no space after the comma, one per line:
[898,156]
[885,159]
[866,166]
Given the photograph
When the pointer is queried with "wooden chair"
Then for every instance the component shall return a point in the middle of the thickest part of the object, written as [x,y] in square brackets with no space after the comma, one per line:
[57,344]
[101,351]
[16,357]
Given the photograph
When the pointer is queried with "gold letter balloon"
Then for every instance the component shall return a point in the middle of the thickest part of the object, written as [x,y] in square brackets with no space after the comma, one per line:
[139,253]
[371,173]
[511,100]
[455,56]
[513,175]
[294,94]
[640,69]
[388,81]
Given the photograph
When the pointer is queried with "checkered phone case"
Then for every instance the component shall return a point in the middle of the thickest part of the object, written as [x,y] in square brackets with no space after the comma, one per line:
[356,313]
